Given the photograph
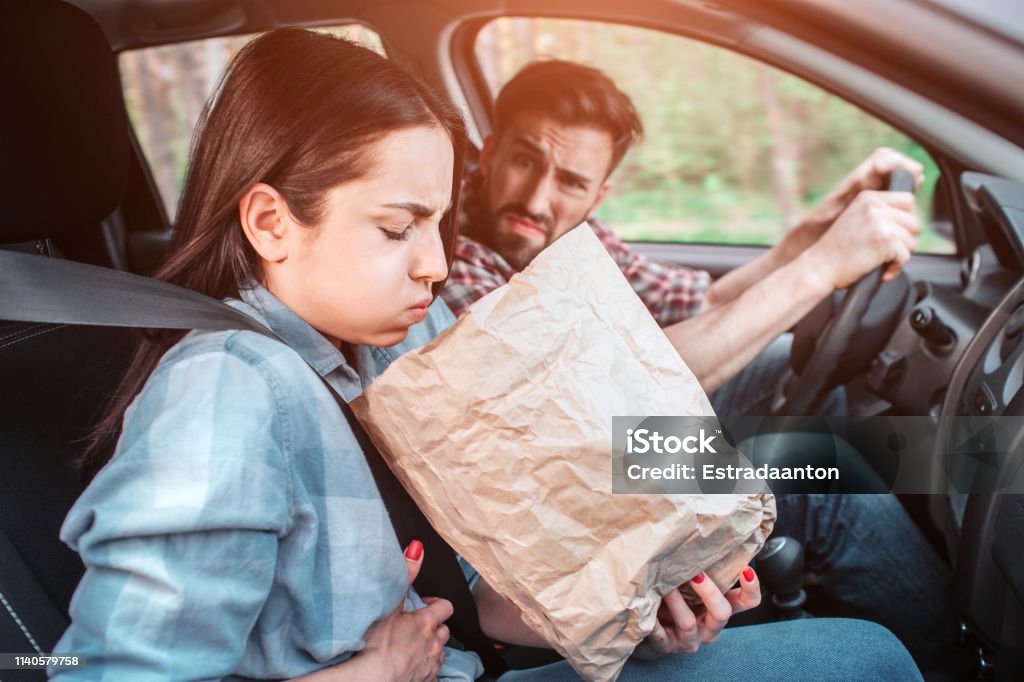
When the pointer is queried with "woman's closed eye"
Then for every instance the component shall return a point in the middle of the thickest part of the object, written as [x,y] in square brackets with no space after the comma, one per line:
[400,235]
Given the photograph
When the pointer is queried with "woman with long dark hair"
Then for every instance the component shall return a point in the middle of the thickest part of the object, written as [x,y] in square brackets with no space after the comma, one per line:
[237,532]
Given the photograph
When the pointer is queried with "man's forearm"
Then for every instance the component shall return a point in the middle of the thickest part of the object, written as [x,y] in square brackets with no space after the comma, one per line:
[720,342]
[727,288]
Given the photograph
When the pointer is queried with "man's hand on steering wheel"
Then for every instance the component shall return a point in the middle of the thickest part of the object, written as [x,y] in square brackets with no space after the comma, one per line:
[871,174]
[869,243]
[877,228]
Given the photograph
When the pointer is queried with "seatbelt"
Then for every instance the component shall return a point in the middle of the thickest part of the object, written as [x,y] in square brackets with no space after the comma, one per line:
[440,563]
[40,289]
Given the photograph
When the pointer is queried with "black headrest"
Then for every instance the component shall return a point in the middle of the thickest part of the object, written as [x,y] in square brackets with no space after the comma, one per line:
[64,157]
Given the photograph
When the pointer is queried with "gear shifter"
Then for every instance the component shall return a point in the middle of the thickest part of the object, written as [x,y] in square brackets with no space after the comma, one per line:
[780,565]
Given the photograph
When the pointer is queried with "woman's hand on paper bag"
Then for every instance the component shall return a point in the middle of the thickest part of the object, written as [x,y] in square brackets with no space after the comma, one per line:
[410,646]
[679,630]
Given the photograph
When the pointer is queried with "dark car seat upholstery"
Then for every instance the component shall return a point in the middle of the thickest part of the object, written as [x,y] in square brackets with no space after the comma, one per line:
[64,169]
[65,160]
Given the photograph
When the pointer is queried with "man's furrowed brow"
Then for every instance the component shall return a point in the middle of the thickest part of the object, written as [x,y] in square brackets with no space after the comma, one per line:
[574,176]
[564,172]
[529,144]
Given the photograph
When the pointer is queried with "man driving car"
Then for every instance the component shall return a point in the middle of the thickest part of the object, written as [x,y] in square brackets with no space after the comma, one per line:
[560,131]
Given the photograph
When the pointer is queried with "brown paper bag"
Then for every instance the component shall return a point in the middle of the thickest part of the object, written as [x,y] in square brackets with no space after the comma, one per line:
[500,429]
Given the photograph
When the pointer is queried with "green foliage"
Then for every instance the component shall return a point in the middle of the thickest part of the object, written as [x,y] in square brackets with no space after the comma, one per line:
[713,166]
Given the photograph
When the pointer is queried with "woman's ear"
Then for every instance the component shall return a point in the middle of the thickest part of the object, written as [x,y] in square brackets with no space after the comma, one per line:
[265,220]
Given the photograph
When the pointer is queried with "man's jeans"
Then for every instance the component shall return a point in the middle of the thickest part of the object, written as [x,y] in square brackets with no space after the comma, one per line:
[867,559]
[866,556]
[750,392]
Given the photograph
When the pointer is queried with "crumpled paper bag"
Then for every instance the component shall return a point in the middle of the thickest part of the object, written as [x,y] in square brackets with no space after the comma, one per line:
[500,429]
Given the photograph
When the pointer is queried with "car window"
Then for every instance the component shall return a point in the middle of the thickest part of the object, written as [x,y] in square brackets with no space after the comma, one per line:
[734,150]
[166,87]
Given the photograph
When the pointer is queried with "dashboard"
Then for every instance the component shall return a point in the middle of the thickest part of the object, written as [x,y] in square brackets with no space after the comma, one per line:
[958,355]
[982,318]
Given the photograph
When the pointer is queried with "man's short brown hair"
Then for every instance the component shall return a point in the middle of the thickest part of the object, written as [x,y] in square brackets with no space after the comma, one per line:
[572,94]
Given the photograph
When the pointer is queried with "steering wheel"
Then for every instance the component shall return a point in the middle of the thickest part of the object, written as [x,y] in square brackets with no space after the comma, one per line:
[799,393]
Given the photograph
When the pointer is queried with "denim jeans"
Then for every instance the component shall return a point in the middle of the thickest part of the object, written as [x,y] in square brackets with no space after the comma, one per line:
[867,559]
[865,556]
[750,391]
[825,649]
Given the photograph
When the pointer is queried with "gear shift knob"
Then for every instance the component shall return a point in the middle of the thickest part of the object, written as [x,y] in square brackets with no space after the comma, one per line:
[780,565]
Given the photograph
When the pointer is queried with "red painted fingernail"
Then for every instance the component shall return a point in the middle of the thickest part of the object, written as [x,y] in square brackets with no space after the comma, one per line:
[699,578]
[748,574]
[414,551]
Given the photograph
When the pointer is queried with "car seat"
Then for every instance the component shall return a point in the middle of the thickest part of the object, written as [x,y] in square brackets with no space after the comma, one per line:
[65,166]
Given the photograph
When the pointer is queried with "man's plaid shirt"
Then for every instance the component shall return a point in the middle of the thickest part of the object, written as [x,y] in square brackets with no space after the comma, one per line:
[671,292]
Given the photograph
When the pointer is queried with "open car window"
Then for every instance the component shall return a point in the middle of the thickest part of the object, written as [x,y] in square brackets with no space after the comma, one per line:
[166,87]
[734,150]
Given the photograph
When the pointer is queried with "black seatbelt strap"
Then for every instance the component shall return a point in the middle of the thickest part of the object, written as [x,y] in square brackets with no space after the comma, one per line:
[40,289]
[440,563]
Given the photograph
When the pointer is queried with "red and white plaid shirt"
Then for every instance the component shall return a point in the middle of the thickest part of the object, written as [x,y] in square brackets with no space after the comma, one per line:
[671,292]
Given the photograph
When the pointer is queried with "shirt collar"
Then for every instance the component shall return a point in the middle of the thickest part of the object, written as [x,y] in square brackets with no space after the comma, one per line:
[311,345]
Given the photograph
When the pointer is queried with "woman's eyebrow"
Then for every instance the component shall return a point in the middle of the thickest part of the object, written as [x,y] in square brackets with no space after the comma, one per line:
[415,208]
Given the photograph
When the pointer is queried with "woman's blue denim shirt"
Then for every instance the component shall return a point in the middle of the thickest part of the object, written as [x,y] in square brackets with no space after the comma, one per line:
[237,532]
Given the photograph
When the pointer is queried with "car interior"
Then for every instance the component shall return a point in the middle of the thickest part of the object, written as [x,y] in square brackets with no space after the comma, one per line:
[942,340]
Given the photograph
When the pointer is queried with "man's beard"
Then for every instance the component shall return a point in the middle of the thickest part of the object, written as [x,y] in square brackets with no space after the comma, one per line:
[518,250]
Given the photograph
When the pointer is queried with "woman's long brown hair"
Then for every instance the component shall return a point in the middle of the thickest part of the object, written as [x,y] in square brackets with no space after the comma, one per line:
[299,111]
